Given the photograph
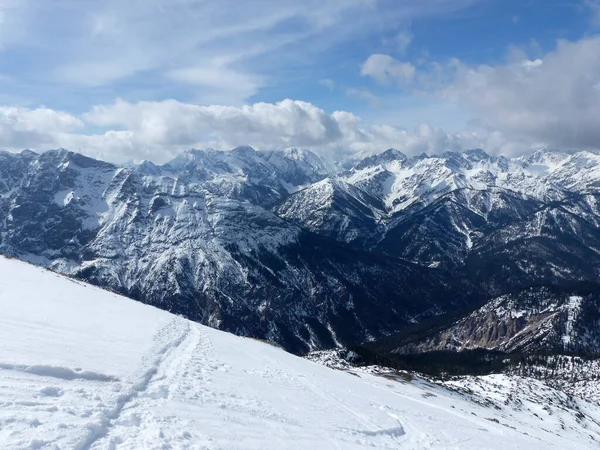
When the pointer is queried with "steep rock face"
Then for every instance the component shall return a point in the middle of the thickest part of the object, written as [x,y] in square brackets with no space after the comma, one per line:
[548,319]
[445,231]
[53,204]
[337,209]
[504,223]
[196,237]
[556,244]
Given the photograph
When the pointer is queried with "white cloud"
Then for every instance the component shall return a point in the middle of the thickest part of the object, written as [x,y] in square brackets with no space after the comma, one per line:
[158,131]
[174,125]
[384,69]
[553,100]
[23,127]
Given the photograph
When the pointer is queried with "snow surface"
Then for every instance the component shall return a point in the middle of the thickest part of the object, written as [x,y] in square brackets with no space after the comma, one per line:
[82,368]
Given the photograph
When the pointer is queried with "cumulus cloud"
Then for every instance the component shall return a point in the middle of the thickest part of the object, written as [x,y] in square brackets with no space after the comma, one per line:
[169,127]
[158,131]
[552,100]
[384,69]
[548,100]
[261,124]
[23,127]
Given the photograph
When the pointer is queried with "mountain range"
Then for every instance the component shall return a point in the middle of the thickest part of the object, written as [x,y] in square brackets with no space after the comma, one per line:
[282,246]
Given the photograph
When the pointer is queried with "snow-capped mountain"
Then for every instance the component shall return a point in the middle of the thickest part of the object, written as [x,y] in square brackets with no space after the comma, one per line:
[278,245]
[84,368]
[197,237]
[505,222]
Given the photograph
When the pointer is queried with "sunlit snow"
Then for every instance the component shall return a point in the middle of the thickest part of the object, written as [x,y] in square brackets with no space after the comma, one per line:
[82,368]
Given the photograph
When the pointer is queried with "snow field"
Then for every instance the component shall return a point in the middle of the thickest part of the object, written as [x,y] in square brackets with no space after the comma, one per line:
[82,368]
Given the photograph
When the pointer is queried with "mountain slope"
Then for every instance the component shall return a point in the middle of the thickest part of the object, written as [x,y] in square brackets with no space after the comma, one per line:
[335,208]
[549,320]
[84,368]
[197,237]
[276,245]
[501,223]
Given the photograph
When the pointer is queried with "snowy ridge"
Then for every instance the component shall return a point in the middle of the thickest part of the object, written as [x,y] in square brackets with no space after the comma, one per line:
[171,383]
[400,182]
[533,219]
[542,175]
[334,207]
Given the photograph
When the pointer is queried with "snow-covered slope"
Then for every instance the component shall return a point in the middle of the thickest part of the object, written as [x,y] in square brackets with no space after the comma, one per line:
[82,368]
[335,208]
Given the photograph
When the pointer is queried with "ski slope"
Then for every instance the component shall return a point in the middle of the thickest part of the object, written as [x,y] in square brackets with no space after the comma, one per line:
[82,368]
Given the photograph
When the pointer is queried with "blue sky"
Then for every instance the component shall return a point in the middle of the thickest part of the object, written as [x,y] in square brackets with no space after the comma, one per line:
[147,79]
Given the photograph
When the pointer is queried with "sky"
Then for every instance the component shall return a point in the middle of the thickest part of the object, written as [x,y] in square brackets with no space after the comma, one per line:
[148,79]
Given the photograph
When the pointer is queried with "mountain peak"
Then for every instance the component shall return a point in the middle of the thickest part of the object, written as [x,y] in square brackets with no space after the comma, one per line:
[185,158]
[420,157]
[147,167]
[243,150]
[27,153]
[476,155]
[299,154]
[63,155]
[546,156]
[387,156]
[393,154]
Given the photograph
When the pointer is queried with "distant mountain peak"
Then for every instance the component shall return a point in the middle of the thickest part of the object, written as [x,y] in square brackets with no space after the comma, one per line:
[476,154]
[243,150]
[29,153]
[421,156]
[393,154]
[387,156]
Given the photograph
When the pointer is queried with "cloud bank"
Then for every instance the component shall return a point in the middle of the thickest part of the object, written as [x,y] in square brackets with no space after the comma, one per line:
[160,130]
[551,100]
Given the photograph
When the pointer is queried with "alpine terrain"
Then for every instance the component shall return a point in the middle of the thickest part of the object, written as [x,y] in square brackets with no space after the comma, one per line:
[283,246]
